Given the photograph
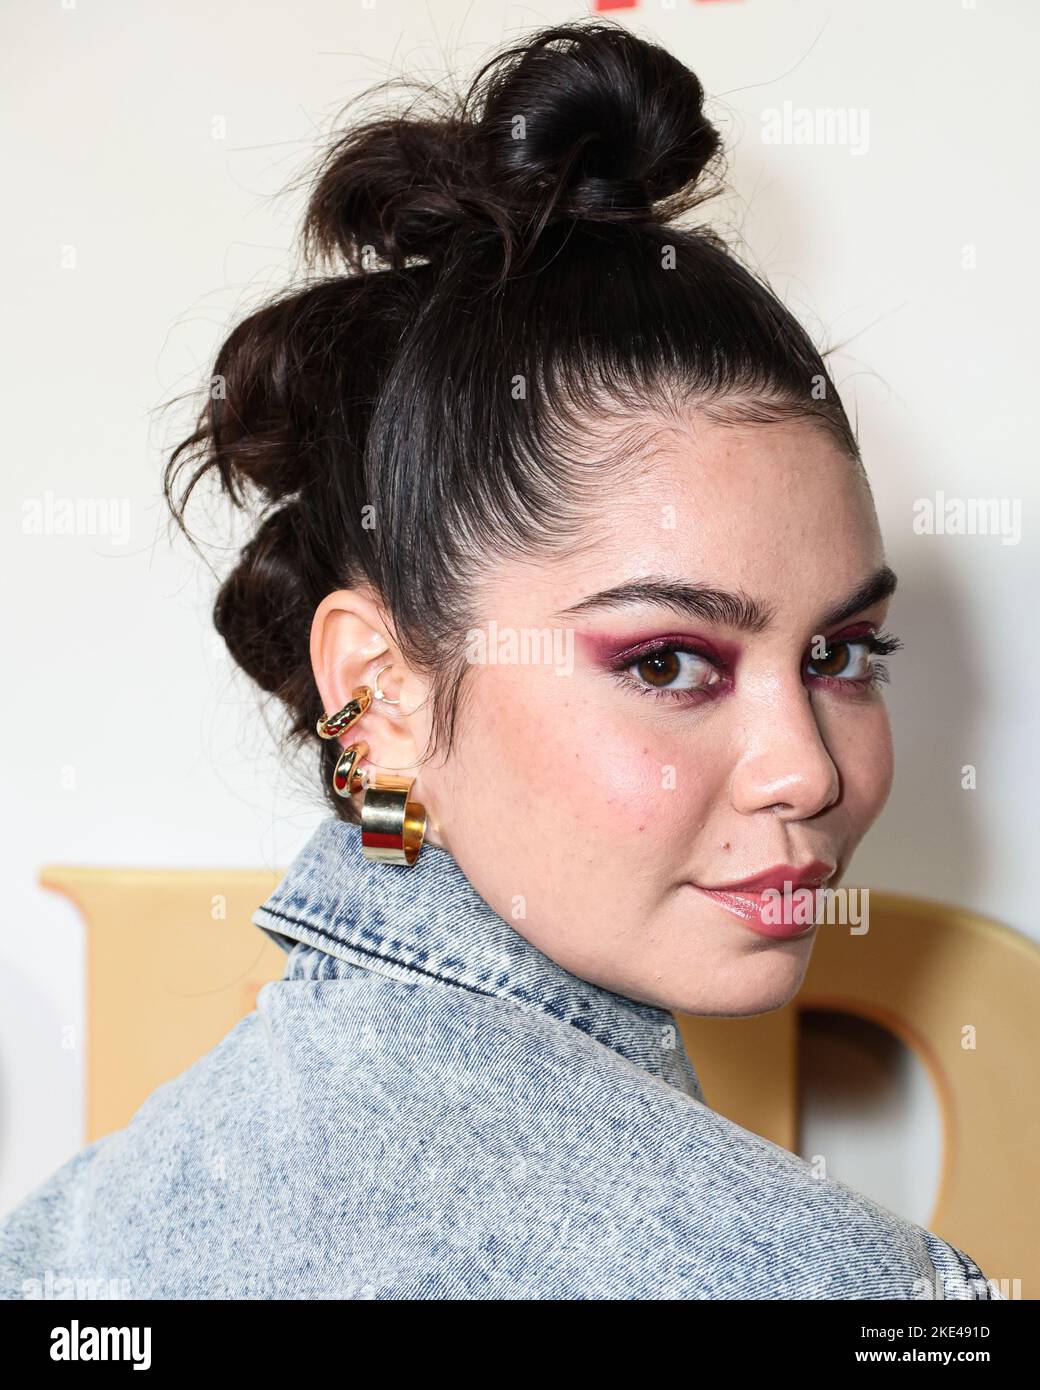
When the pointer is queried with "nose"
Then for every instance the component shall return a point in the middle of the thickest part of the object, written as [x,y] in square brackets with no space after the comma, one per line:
[784,765]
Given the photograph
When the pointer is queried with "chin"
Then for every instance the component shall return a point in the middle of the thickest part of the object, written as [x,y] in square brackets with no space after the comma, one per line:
[753,986]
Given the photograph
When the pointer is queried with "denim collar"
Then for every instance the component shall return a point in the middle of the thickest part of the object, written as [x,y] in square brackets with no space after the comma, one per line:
[426,921]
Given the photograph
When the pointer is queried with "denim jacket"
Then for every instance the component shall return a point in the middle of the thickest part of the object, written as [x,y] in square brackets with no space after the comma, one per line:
[427,1106]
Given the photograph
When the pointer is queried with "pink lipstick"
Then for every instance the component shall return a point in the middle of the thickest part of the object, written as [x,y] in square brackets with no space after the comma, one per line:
[779,902]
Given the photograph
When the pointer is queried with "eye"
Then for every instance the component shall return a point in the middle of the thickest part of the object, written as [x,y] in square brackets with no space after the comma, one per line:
[850,660]
[671,670]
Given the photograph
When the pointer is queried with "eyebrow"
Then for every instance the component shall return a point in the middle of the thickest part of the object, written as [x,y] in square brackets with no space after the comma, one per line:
[705,604]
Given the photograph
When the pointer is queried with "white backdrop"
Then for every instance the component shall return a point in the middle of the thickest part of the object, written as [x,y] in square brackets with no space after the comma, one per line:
[145,167]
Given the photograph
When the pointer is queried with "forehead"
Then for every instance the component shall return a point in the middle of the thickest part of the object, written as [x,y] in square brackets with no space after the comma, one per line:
[776,511]
[768,475]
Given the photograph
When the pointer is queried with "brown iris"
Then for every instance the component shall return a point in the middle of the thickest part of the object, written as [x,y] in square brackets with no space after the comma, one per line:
[834,662]
[660,668]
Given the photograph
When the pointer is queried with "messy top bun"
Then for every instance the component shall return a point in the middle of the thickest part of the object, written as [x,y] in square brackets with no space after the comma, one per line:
[507,285]
[577,122]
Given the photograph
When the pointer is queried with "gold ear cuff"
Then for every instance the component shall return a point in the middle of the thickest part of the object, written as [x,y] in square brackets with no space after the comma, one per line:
[392,825]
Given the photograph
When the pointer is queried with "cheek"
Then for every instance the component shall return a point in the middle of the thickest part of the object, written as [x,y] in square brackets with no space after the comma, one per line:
[600,773]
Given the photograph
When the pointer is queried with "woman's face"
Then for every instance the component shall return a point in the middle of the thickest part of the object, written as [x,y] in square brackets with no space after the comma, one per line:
[595,791]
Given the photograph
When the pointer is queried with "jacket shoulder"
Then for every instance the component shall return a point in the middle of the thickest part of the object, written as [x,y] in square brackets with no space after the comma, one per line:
[105,1213]
[367,1137]
[513,1132]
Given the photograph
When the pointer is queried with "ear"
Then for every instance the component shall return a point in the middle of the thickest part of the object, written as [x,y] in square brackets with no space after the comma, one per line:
[350,641]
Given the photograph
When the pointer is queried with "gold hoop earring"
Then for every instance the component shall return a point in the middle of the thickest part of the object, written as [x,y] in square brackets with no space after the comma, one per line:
[332,725]
[346,779]
[378,693]
[392,826]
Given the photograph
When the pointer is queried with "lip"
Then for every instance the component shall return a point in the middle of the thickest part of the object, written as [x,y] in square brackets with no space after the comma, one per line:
[754,900]
[810,875]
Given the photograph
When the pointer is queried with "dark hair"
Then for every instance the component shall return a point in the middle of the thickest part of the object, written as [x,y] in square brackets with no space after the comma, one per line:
[516,308]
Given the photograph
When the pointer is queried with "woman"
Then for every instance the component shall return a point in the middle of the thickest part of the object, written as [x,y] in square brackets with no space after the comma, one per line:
[569,567]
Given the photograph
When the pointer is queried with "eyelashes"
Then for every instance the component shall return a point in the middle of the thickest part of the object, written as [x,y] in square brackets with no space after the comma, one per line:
[711,677]
[872,644]
[884,642]
[709,667]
